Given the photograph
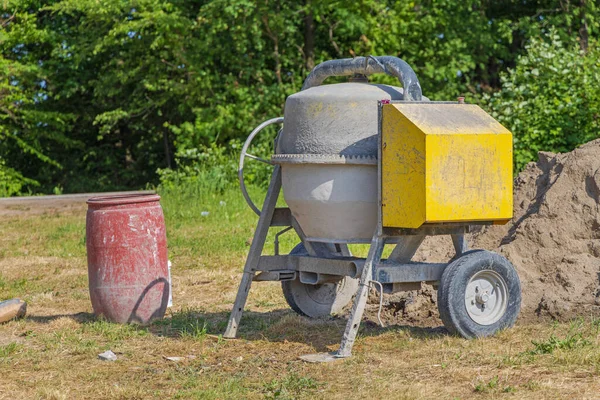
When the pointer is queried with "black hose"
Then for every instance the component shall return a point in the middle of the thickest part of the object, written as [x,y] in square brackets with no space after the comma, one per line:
[366,66]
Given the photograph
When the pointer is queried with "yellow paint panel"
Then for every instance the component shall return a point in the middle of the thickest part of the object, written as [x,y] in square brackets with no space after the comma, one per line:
[448,119]
[469,177]
[403,170]
[444,163]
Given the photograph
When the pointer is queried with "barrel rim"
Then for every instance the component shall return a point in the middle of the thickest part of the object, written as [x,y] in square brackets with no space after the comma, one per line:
[117,200]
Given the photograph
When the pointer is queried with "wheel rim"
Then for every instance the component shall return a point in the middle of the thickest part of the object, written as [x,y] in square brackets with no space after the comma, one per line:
[486,297]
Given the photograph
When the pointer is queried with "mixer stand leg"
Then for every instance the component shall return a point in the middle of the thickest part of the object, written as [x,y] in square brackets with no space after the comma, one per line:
[360,301]
[258,242]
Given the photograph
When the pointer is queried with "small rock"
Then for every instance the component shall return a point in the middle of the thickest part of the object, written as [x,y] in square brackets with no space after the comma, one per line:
[12,309]
[107,356]
[174,359]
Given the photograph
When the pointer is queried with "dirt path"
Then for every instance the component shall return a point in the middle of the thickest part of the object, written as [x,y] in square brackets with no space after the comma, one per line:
[30,205]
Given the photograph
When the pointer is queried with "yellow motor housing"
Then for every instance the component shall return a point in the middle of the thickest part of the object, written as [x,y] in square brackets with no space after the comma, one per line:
[444,162]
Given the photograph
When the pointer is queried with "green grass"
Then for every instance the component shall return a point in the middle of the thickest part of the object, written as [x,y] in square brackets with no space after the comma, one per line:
[491,385]
[548,346]
[290,387]
[8,350]
[226,230]
[43,261]
[186,323]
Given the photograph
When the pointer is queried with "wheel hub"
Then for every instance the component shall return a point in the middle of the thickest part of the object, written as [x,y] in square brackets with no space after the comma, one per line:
[481,298]
[324,293]
[486,297]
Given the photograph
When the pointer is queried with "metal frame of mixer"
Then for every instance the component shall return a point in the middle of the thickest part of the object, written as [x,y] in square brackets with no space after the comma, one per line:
[396,273]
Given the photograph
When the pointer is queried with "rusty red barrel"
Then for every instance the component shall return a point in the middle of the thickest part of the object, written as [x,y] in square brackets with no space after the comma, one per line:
[127,257]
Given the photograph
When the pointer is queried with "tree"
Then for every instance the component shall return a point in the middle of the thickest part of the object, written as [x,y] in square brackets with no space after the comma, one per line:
[102,94]
[550,100]
[27,127]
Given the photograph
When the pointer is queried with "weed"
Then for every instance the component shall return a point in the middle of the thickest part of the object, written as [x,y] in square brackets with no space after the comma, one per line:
[548,346]
[483,387]
[194,330]
[509,389]
[208,254]
[113,332]
[9,349]
[290,387]
[185,324]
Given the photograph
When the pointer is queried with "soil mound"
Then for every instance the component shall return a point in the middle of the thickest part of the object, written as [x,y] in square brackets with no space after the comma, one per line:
[554,237]
[553,241]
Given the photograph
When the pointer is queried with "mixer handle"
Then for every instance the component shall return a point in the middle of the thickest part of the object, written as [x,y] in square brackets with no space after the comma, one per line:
[246,154]
[366,66]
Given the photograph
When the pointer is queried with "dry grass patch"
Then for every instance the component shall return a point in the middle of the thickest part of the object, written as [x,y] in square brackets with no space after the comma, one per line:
[52,354]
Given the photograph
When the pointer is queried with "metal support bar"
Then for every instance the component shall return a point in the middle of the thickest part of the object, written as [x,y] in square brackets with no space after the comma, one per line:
[307,244]
[460,244]
[276,243]
[389,288]
[449,228]
[282,217]
[392,272]
[344,266]
[360,300]
[406,248]
[279,275]
[343,249]
[317,278]
[256,248]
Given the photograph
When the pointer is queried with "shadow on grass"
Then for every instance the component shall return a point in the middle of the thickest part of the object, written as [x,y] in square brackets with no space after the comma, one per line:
[274,326]
[277,326]
[82,317]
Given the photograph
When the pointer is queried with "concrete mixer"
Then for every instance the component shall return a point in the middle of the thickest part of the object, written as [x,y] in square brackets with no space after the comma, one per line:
[379,164]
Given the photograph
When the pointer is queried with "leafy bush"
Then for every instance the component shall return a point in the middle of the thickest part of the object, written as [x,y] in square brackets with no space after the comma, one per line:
[215,167]
[12,182]
[550,100]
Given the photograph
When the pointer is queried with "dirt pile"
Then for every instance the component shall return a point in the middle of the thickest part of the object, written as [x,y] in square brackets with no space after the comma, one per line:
[554,237]
[553,240]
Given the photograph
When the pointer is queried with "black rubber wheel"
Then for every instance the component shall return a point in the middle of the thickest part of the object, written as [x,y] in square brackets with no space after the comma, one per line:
[316,301]
[479,294]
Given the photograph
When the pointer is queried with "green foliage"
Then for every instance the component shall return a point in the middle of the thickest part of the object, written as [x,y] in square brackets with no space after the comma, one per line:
[215,167]
[491,385]
[550,100]
[548,346]
[113,332]
[186,324]
[209,167]
[99,95]
[26,126]
[6,351]
[11,181]
[290,387]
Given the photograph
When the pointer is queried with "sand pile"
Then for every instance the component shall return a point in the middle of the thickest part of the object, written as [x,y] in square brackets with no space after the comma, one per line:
[553,241]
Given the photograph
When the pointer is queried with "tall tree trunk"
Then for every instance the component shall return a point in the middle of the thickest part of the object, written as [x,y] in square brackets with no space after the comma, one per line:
[309,38]
[583,30]
[167,149]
